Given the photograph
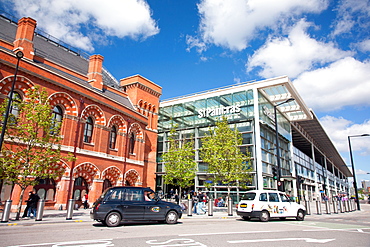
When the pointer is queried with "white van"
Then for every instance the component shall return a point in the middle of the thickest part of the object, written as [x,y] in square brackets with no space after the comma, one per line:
[266,204]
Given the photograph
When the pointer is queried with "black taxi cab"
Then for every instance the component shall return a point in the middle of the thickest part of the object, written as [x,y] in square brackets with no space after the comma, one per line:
[118,204]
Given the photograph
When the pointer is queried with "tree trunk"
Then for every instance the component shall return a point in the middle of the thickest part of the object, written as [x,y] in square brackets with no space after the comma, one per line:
[19,207]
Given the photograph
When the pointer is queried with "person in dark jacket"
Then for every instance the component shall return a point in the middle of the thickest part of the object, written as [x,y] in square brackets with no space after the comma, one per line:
[25,212]
[34,199]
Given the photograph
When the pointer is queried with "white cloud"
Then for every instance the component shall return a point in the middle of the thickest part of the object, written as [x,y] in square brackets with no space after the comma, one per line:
[194,42]
[233,23]
[339,129]
[294,54]
[345,82]
[364,45]
[351,14]
[361,172]
[82,22]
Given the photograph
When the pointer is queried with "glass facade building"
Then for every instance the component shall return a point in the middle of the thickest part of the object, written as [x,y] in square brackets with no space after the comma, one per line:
[249,107]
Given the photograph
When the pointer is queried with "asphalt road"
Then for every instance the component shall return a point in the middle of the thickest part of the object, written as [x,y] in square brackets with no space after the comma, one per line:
[345,229]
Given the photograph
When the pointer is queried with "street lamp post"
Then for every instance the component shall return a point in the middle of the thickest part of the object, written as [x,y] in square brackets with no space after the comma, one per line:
[353,168]
[280,187]
[19,55]
[76,144]
[126,152]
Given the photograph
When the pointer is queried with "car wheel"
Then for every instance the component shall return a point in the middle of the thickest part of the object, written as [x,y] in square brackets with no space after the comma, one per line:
[246,218]
[264,216]
[113,219]
[300,215]
[172,217]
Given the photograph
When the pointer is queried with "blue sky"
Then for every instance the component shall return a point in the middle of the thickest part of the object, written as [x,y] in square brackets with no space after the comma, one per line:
[187,46]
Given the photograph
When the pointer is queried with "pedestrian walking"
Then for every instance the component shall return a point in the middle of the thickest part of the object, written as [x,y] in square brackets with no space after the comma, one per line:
[34,199]
[86,201]
[25,212]
[202,198]
[195,202]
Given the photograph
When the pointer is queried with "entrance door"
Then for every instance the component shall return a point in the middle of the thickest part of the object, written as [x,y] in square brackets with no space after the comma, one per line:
[106,184]
[80,188]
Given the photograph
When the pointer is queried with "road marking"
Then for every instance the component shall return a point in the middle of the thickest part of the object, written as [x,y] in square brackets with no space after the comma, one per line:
[12,224]
[82,243]
[224,233]
[327,225]
[176,242]
[308,240]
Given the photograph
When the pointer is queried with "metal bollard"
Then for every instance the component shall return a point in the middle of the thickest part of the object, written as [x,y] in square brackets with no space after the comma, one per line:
[308,207]
[327,207]
[341,206]
[318,207]
[210,207]
[345,206]
[229,206]
[335,206]
[70,206]
[190,207]
[40,209]
[6,212]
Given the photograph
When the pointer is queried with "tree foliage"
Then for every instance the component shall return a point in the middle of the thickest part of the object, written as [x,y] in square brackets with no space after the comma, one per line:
[226,163]
[31,147]
[179,161]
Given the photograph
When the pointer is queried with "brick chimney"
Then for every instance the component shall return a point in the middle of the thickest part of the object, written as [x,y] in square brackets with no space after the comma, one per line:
[95,71]
[24,37]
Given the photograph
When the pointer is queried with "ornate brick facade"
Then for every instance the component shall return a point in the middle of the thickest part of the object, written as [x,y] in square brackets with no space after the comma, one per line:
[84,91]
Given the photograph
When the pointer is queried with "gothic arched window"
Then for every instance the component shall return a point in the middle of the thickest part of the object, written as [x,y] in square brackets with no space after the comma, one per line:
[113,138]
[89,125]
[14,110]
[56,118]
[132,143]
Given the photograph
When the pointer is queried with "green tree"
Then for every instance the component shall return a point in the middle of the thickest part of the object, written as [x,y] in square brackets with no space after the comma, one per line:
[226,163]
[32,143]
[179,162]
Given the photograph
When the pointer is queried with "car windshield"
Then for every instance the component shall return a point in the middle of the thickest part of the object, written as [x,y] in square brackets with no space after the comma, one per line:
[249,196]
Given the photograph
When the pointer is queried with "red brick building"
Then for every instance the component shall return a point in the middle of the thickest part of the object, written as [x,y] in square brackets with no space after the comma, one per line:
[117,138]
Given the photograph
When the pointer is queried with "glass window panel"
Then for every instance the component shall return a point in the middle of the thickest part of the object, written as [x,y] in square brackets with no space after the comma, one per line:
[247,138]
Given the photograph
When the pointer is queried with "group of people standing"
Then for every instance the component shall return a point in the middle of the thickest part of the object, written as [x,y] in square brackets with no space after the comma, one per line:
[199,202]
[31,206]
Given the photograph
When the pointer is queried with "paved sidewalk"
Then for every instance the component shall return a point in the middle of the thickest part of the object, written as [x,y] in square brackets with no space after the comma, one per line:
[83,215]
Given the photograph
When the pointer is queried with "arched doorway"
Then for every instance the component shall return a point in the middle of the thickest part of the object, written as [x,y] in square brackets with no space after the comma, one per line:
[106,184]
[46,188]
[80,188]
[132,178]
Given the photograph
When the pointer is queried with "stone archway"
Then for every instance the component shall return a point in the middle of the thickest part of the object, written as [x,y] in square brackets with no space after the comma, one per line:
[132,178]
[84,175]
[110,177]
